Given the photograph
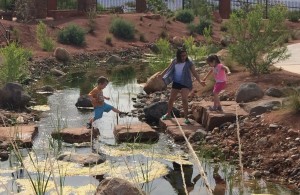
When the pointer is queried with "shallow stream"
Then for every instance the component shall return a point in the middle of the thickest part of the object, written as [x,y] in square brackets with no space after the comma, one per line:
[149,166]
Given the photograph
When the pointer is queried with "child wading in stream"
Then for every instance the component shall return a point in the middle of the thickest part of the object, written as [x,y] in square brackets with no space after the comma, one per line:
[97,98]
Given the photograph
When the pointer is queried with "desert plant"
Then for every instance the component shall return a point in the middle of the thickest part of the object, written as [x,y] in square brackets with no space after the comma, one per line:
[122,29]
[201,8]
[14,65]
[194,51]
[72,34]
[43,37]
[142,38]
[25,10]
[185,16]
[257,43]
[295,102]
[108,40]
[203,24]
[91,15]
[293,16]
[162,59]
[156,5]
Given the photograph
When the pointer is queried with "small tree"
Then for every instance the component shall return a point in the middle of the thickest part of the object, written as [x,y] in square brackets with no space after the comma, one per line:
[258,43]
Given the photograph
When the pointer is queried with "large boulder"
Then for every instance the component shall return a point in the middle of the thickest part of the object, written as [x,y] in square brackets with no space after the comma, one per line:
[154,84]
[117,186]
[13,96]
[248,92]
[274,92]
[83,102]
[156,110]
[61,54]
[114,59]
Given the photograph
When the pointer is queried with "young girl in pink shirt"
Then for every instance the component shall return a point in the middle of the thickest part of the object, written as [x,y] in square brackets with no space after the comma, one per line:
[219,71]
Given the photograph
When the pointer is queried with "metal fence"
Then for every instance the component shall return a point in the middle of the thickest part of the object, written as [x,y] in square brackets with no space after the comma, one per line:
[292,5]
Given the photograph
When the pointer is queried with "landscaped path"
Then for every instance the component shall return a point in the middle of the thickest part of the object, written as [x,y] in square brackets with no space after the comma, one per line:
[292,64]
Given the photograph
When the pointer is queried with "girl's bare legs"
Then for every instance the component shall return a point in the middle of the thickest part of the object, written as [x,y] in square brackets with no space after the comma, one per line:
[173,96]
[217,103]
[184,95]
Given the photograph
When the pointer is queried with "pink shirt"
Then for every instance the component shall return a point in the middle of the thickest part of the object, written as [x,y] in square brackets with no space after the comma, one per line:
[219,73]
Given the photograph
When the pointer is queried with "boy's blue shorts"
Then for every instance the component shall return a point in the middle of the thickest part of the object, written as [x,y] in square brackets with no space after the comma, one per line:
[100,109]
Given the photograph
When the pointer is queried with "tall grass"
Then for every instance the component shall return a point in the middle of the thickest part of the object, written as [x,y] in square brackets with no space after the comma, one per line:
[295,102]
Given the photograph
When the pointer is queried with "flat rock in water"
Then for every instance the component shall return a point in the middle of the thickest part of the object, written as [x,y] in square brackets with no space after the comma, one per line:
[84,159]
[194,131]
[141,132]
[23,135]
[76,135]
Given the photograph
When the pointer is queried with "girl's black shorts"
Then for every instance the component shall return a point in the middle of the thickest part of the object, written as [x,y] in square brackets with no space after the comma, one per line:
[178,86]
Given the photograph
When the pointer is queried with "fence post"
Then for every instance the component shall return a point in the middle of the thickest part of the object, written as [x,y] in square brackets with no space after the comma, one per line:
[224,8]
[141,6]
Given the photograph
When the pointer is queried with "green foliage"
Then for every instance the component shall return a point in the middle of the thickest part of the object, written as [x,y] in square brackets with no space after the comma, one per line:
[295,102]
[99,8]
[200,8]
[122,29]
[67,4]
[14,65]
[43,37]
[163,57]
[91,15]
[195,52]
[293,16]
[108,40]
[142,38]
[258,42]
[72,34]
[203,24]
[7,5]
[156,5]
[185,16]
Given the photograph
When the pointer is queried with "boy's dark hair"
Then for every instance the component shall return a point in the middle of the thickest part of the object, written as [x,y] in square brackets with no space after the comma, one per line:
[213,58]
[102,80]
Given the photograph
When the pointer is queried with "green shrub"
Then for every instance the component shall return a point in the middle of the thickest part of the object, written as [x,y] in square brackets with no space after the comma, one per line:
[202,25]
[91,15]
[293,16]
[43,37]
[122,29]
[142,38]
[162,59]
[295,102]
[185,16]
[72,34]
[257,43]
[14,65]
[196,52]
[108,40]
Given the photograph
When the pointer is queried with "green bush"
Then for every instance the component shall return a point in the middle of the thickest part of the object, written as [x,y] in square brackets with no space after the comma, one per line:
[293,16]
[295,102]
[43,38]
[204,24]
[122,29]
[72,34]
[185,16]
[14,65]
[108,40]
[257,43]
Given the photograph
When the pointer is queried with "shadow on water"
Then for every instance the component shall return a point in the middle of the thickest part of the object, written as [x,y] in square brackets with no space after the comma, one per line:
[121,89]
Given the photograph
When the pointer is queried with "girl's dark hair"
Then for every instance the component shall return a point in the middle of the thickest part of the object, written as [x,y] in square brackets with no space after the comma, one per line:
[179,52]
[213,58]
[102,80]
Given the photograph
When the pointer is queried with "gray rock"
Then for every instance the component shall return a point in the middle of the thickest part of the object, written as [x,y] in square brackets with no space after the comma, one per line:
[114,59]
[84,159]
[61,54]
[117,186]
[83,102]
[274,92]
[248,92]
[57,73]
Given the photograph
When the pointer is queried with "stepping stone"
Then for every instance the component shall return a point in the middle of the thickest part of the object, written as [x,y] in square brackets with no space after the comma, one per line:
[76,135]
[211,119]
[141,132]
[23,135]
[193,131]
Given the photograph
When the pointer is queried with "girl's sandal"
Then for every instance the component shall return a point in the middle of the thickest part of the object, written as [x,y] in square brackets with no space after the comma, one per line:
[166,117]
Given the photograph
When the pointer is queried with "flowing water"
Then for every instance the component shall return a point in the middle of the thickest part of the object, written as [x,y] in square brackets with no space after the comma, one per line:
[149,166]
